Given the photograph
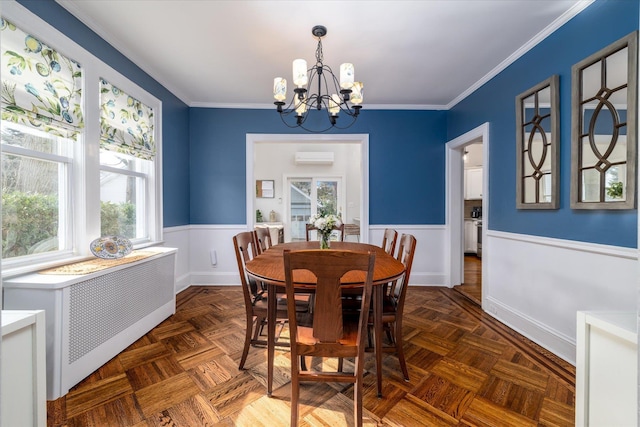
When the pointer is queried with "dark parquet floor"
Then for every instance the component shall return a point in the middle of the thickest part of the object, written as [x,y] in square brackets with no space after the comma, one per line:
[466,369]
[471,286]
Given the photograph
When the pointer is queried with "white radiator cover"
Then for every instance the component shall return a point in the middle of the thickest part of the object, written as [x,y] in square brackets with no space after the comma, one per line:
[91,318]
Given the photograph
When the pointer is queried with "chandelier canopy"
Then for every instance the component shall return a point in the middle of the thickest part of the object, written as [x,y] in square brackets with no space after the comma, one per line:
[338,98]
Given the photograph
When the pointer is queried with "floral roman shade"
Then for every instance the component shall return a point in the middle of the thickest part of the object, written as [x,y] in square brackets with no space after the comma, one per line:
[41,88]
[126,124]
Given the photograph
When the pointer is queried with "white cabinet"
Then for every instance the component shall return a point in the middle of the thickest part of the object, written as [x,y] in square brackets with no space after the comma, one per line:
[23,374]
[473,183]
[606,369]
[470,236]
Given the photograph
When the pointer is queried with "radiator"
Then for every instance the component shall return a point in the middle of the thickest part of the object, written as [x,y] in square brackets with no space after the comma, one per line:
[92,318]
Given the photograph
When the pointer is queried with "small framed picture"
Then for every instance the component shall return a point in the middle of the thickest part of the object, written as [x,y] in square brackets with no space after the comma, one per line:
[264,188]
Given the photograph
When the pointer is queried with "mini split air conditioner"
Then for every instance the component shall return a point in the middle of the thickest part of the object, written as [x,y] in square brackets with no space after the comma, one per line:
[313,158]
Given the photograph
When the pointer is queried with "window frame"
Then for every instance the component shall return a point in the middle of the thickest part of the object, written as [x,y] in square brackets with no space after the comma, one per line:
[84,173]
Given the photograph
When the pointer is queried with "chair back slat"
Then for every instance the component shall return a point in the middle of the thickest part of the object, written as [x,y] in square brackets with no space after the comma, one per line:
[406,251]
[329,267]
[389,241]
[246,249]
[263,239]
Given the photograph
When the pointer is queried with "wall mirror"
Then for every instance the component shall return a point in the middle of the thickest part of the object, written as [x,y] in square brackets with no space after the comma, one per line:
[538,146]
[604,127]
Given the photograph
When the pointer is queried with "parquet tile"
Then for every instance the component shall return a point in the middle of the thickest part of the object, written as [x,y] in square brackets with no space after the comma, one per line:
[465,368]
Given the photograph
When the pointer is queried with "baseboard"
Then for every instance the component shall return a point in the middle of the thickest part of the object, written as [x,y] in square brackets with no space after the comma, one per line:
[554,341]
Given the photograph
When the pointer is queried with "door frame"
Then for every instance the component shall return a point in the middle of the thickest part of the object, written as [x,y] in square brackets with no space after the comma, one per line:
[354,138]
[454,259]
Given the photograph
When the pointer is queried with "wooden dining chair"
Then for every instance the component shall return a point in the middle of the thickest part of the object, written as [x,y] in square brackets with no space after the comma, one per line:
[328,332]
[393,303]
[255,296]
[389,241]
[339,228]
[263,239]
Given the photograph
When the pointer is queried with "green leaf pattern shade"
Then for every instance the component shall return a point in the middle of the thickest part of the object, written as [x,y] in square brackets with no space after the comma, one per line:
[126,124]
[41,88]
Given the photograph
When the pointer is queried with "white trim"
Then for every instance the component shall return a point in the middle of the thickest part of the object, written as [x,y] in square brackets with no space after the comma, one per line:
[595,248]
[362,139]
[261,106]
[409,227]
[559,344]
[454,261]
[538,38]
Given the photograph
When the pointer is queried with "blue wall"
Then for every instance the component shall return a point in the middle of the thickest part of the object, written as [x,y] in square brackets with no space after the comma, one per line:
[406,163]
[602,23]
[175,113]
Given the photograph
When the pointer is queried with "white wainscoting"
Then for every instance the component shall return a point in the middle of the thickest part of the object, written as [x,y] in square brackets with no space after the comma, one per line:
[178,237]
[195,243]
[536,285]
[428,262]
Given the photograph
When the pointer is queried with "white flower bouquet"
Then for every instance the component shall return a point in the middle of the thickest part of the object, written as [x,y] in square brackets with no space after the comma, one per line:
[325,224]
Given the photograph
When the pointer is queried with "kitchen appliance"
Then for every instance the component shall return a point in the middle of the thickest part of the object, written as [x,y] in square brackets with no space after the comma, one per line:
[476,212]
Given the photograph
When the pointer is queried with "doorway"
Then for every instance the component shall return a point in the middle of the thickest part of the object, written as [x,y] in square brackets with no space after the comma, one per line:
[472,161]
[456,208]
[279,166]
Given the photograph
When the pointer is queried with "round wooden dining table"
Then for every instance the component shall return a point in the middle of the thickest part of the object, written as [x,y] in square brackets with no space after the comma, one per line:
[268,267]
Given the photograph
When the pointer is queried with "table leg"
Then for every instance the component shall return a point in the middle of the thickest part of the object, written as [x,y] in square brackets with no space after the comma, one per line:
[271,334]
[377,325]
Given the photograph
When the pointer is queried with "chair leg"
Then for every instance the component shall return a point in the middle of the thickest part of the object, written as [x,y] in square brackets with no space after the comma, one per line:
[357,399]
[340,364]
[247,341]
[295,392]
[400,349]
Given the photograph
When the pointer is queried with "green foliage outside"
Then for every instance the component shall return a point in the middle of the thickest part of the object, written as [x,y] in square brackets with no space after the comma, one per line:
[118,219]
[30,222]
[27,220]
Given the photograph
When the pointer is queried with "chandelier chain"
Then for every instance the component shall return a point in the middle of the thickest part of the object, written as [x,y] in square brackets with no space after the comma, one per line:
[319,54]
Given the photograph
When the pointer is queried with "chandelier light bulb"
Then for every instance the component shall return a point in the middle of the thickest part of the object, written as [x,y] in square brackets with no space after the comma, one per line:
[301,106]
[347,74]
[300,72]
[280,89]
[356,93]
[334,104]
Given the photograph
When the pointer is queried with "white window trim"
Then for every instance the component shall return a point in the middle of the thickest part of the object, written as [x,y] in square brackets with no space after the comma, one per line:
[86,167]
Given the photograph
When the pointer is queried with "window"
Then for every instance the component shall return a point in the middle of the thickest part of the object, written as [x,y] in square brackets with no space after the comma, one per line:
[36,169]
[41,120]
[80,149]
[309,196]
[126,152]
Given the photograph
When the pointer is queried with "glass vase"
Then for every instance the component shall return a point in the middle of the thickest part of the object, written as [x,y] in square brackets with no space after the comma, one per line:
[325,242]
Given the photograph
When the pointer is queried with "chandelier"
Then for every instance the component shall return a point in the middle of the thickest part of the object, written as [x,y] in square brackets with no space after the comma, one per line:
[338,98]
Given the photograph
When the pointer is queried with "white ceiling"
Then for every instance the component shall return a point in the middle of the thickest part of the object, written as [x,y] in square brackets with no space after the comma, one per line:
[409,54]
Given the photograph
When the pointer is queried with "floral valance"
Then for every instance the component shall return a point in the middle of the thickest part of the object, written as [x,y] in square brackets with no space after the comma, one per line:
[126,124]
[40,87]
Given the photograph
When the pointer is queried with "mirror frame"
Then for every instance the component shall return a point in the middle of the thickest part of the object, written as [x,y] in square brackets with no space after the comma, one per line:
[631,43]
[552,148]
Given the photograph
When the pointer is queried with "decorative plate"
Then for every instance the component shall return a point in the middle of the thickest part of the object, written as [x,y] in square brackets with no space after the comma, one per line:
[111,247]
